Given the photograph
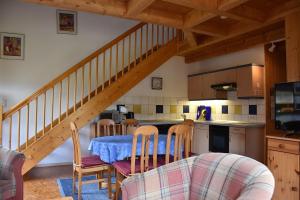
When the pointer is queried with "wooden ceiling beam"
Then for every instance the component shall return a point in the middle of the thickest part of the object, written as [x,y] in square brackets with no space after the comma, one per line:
[262,36]
[135,7]
[114,8]
[191,38]
[196,17]
[210,30]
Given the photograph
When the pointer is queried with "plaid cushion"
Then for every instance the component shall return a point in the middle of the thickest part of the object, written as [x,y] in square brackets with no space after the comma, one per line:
[8,180]
[166,182]
[208,176]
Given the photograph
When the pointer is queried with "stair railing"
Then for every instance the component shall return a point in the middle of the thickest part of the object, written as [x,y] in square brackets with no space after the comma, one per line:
[29,120]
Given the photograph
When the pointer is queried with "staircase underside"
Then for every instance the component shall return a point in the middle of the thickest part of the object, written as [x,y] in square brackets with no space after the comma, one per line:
[98,103]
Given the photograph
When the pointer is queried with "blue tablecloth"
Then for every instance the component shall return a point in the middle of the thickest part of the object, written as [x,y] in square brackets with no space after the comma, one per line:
[113,148]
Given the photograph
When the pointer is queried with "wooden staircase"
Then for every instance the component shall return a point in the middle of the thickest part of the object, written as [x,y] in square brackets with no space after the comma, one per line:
[40,123]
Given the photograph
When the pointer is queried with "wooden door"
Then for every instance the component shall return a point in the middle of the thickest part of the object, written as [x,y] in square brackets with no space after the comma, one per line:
[195,87]
[258,81]
[200,140]
[285,168]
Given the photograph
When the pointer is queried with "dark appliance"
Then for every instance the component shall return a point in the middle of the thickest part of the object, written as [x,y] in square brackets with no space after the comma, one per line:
[224,87]
[112,114]
[287,107]
[129,115]
[218,138]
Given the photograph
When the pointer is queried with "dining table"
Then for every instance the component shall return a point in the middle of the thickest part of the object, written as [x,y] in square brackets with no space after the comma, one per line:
[118,147]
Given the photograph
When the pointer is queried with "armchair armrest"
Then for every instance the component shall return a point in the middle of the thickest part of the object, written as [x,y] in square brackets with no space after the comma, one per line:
[9,163]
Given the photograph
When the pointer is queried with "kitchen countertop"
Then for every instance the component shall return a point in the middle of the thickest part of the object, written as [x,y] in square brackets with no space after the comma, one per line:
[215,122]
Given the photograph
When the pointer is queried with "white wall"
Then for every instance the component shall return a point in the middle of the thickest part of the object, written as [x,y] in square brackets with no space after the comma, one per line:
[251,55]
[48,54]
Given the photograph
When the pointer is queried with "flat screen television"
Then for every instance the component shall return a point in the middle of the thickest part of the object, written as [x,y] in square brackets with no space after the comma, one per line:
[287,107]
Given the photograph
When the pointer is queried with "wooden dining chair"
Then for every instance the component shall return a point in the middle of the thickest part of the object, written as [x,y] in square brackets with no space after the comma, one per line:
[191,124]
[181,140]
[87,165]
[126,168]
[129,125]
[106,127]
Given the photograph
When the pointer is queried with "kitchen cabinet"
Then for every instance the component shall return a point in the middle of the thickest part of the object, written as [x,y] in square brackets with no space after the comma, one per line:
[195,87]
[200,139]
[250,82]
[283,161]
[237,140]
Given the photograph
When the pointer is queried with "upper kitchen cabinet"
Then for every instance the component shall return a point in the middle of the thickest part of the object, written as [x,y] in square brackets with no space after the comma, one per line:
[195,87]
[250,82]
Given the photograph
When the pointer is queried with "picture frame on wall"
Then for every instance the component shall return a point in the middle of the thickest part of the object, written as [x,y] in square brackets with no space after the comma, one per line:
[156,83]
[12,46]
[66,22]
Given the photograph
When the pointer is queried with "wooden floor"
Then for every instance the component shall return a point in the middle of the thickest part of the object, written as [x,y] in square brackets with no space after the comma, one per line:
[41,182]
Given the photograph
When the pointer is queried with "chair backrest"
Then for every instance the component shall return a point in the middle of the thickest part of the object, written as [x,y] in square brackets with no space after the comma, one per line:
[76,144]
[104,127]
[146,132]
[129,124]
[182,139]
[191,124]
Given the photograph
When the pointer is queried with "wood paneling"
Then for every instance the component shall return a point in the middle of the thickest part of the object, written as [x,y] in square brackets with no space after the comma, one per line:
[293,46]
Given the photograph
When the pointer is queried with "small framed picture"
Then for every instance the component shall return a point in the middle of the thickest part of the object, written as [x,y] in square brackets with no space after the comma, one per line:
[156,83]
[12,46]
[66,22]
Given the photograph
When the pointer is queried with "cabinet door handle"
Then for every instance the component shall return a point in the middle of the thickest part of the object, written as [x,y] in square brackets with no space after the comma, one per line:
[294,189]
[297,172]
[281,146]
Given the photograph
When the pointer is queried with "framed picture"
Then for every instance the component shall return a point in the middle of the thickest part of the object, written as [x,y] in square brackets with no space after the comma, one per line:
[156,83]
[66,22]
[12,46]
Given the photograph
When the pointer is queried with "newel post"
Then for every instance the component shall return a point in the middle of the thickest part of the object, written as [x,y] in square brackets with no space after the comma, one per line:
[1,118]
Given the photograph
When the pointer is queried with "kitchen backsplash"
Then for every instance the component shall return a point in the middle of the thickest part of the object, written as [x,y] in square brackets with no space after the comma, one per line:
[151,108]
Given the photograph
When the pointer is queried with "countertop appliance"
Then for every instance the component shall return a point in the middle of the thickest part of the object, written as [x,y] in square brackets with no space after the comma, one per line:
[287,107]
[116,116]
[218,138]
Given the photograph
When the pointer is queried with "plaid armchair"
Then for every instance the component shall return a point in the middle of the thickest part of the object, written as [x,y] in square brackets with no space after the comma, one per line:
[206,177]
[11,179]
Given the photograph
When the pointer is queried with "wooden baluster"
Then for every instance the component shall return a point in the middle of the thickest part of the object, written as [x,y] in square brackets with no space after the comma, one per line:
[173,33]
[44,113]
[68,96]
[157,37]
[52,107]
[141,45]
[59,99]
[147,29]
[110,65]
[129,51]
[36,118]
[82,85]
[19,129]
[10,131]
[168,32]
[163,35]
[117,60]
[75,90]
[103,71]
[90,79]
[1,118]
[134,55]
[27,126]
[97,74]
[123,55]
[152,37]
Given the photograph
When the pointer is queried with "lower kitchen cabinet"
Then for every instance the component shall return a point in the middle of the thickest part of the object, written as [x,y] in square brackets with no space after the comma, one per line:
[283,161]
[237,140]
[200,140]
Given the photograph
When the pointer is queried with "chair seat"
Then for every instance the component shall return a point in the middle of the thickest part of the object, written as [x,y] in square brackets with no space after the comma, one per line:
[124,166]
[91,161]
[7,189]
